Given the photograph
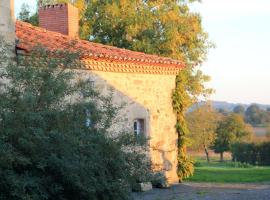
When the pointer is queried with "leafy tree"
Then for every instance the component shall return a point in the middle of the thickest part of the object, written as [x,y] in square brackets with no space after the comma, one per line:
[223,111]
[239,109]
[54,134]
[26,16]
[256,116]
[231,129]
[202,123]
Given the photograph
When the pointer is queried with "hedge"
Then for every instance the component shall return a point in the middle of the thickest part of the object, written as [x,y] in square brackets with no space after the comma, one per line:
[252,153]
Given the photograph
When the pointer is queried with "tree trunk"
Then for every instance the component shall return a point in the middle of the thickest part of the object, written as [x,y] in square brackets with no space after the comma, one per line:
[207,154]
[221,157]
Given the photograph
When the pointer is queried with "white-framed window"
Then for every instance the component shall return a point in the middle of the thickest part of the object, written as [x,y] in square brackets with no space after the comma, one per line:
[139,126]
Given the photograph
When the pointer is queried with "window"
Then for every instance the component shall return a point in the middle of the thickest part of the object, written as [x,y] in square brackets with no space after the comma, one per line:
[138,126]
[92,83]
[88,121]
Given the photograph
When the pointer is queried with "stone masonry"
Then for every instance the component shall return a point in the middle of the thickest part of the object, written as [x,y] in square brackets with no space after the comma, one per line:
[146,96]
[7,21]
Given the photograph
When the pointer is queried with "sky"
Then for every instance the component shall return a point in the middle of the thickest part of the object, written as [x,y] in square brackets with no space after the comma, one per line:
[240,64]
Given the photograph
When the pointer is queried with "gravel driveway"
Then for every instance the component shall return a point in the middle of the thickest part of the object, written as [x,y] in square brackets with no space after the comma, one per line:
[205,191]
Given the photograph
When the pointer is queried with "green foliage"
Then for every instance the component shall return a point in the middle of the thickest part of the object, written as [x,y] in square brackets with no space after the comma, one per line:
[230,130]
[255,154]
[186,91]
[54,134]
[26,16]
[239,109]
[256,116]
[165,28]
[202,123]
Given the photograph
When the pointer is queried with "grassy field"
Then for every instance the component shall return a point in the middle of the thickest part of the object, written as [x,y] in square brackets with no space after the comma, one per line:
[228,172]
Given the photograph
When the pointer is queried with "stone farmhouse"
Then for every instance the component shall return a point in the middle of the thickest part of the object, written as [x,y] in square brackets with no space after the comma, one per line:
[143,82]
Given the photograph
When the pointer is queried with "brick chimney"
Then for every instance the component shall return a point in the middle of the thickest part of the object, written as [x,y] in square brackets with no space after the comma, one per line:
[7,21]
[61,18]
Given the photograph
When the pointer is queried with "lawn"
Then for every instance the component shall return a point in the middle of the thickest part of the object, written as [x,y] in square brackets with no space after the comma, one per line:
[228,172]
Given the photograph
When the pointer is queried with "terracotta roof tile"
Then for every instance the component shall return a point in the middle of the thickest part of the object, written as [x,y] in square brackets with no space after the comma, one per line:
[29,36]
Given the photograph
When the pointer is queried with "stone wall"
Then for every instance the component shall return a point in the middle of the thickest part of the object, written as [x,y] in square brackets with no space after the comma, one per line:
[148,97]
[7,21]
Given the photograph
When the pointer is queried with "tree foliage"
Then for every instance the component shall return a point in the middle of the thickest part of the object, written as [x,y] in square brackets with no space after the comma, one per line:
[231,129]
[202,123]
[53,134]
[26,15]
[257,116]
[239,109]
[252,153]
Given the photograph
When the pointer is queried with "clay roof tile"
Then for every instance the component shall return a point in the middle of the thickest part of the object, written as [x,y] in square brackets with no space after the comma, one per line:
[29,36]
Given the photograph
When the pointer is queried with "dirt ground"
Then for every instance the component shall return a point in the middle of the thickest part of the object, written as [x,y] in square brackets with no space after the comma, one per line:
[204,191]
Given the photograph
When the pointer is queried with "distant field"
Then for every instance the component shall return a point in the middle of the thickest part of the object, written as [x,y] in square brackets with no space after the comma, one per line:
[228,172]
[260,131]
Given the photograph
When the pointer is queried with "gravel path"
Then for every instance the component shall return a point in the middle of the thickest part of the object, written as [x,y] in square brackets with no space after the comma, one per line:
[205,191]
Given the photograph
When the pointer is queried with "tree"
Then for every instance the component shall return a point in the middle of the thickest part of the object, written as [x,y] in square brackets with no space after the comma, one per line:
[26,16]
[202,123]
[256,116]
[49,150]
[231,129]
[239,109]
[223,111]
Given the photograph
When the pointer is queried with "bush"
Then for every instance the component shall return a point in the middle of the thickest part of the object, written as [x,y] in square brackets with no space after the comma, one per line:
[198,164]
[236,164]
[252,153]
[53,135]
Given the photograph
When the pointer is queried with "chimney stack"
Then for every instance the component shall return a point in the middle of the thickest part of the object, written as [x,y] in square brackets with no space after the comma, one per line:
[7,21]
[61,18]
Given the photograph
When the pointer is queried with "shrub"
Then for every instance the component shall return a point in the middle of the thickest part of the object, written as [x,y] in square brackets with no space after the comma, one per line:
[53,135]
[197,164]
[252,153]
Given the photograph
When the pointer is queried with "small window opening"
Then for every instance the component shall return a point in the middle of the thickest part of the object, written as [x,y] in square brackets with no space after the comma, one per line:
[88,121]
[138,126]
[92,83]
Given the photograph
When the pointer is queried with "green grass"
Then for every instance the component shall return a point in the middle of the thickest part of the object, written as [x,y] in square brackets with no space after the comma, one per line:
[229,172]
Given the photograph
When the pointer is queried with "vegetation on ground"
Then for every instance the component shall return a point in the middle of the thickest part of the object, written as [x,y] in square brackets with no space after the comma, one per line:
[228,172]
[230,130]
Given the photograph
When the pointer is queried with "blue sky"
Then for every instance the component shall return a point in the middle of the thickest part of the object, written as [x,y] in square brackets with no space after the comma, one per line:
[239,65]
